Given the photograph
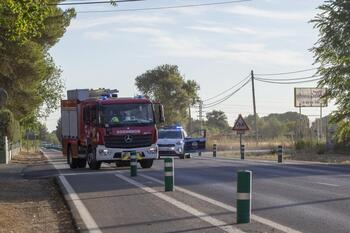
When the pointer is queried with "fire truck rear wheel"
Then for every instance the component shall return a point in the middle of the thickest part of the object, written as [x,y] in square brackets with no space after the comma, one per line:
[93,163]
[73,162]
[81,163]
[146,163]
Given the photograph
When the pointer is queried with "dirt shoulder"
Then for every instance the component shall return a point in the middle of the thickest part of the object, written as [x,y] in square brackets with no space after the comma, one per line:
[31,205]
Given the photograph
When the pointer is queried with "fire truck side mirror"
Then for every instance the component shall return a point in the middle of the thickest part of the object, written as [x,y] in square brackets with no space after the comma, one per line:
[159,113]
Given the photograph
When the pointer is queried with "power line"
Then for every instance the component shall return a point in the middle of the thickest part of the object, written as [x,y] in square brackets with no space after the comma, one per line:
[227,97]
[165,7]
[90,3]
[289,79]
[296,82]
[290,72]
[223,92]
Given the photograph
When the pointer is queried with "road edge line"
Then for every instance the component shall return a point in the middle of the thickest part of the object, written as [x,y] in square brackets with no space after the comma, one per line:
[74,202]
[199,214]
[227,207]
[72,197]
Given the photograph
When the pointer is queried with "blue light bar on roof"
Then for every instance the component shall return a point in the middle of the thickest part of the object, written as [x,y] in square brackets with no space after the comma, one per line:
[105,96]
[174,126]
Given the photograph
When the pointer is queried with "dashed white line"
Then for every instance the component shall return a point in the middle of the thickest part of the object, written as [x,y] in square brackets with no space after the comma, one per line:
[227,207]
[327,184]
[201,215]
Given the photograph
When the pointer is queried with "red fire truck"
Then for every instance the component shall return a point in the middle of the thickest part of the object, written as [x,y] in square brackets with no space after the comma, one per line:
[98,126]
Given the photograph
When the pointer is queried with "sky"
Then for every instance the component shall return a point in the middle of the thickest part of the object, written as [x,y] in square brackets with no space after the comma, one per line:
[216,45]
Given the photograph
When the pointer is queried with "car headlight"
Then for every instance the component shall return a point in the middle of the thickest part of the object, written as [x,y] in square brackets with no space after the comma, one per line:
[179,149]
[179,143]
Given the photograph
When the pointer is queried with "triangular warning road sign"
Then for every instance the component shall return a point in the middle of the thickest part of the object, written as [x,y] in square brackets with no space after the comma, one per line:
[240,124]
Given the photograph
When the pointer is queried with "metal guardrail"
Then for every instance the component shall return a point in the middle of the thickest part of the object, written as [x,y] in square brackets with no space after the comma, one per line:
[51,146]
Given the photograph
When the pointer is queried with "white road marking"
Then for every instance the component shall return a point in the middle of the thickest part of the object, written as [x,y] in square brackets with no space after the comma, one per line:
[85,215]
[243,196]
[227,207]
[235,160]
[82,210]
[201,215]
[327,184]
[90,173]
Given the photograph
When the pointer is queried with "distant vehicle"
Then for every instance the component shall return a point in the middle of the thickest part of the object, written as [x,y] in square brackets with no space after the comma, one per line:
[171,141]
[98,126]
[174,141]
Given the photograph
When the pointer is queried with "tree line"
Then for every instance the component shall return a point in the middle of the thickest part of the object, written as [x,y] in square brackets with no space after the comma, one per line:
[28,74]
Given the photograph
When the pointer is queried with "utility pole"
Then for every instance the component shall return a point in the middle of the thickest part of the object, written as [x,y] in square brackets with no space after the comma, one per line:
[321,124]
[189,120]
[254,108]
[201,114]
[201,120]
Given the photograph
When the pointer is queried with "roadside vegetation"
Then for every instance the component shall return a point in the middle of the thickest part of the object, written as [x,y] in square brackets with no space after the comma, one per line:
[30,81]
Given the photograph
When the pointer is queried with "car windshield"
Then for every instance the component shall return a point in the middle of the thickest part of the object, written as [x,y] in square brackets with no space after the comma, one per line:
[169,134]
[127,114]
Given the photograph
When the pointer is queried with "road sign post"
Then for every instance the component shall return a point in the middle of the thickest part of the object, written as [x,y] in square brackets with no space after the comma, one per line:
[133,164]
[244,196]
[242,151]
[240,127]
[169,174]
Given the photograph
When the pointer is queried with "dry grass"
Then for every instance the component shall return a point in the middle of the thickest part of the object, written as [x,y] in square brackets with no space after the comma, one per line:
[225,143]
[326,158]
[25,157]
[31,205]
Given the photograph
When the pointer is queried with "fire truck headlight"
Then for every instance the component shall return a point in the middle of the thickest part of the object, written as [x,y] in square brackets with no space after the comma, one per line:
[104,152]
[152,150]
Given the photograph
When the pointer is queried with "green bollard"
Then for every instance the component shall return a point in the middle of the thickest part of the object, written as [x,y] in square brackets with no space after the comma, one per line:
[133,163]
[280,154]
[169,174]
[214,150]
[244,196]
[242,151]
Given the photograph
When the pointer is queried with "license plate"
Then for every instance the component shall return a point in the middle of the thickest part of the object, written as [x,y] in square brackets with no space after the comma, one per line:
[126,155]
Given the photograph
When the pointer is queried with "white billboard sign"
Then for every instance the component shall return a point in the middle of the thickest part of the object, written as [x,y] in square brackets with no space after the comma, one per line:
[309,97]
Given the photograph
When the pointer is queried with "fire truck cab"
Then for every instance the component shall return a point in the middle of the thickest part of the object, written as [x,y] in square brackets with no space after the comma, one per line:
[98,126]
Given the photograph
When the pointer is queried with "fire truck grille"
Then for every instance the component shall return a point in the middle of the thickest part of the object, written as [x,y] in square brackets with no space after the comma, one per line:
[128,141]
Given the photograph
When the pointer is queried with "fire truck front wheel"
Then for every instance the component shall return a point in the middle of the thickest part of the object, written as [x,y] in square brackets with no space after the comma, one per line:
[146,163]
[81,163]
[93,163]
[73,162]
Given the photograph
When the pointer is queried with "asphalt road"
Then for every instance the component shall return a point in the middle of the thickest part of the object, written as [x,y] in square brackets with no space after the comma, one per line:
[305,197]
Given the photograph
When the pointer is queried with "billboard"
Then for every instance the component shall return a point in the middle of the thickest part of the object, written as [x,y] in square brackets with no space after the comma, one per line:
[309,97]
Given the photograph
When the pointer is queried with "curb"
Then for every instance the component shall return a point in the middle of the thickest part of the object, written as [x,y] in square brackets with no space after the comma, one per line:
[59,187]
[77,221]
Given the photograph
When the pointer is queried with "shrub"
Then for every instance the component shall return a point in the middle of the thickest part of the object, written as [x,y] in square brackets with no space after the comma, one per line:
[320,149]
[9,126]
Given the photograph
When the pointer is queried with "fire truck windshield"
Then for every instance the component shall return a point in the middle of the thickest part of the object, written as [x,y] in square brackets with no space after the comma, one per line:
[127,114]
